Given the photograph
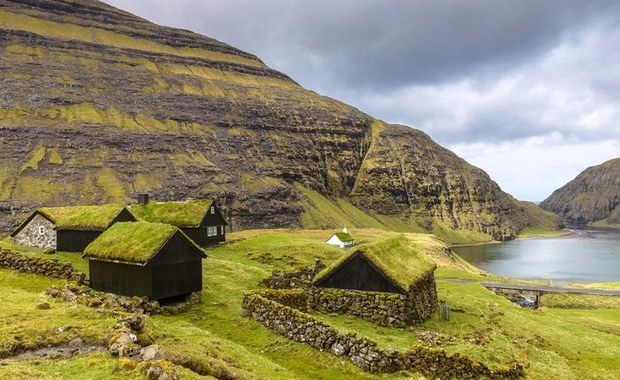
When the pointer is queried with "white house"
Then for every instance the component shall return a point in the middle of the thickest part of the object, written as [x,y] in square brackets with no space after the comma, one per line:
[341,239]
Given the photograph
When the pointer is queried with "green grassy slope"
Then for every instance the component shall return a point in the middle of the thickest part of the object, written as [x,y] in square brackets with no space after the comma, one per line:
[214,338]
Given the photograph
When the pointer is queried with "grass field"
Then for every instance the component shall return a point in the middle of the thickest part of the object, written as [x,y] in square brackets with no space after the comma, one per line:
[213,338]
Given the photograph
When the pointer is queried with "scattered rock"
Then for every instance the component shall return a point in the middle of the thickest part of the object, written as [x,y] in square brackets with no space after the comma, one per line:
[152,352]
[43,306]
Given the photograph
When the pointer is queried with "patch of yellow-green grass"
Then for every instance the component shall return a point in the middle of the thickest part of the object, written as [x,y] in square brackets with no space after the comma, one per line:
[528,233]
[181,214]
[580,301]
[396,256]
[55,158]
[132,242]
[93,366]
[114,188]
[453,236]
[322,212]
[599,285]
[36,156]
[10,20]
[605,223]
[20,293]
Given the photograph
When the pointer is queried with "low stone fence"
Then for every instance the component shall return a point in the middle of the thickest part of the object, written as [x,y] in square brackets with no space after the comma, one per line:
[301,327]
[294,298]
[385,309]
[39,265]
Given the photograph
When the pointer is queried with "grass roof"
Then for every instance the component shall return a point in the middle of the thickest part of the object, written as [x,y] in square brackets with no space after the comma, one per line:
[82,217]
[395,256]
[343,236]
[132,242]
[180,214]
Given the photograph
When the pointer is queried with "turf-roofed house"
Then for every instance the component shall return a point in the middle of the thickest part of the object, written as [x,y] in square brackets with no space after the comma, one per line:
[387,282]
[145,259]
[341,239]
[69,228]
[201,219]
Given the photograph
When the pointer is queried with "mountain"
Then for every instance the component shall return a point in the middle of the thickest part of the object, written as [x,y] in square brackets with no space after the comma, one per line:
[97,105]
[593,196]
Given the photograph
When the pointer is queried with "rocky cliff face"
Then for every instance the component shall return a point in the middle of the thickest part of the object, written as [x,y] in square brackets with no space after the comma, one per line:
[97,105]
[594,195]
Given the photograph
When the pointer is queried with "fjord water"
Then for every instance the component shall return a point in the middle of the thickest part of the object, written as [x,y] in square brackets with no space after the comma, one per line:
[592,255]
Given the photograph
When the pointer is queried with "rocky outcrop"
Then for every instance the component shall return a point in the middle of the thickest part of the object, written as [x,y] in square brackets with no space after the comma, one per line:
[594,195]
[97,105]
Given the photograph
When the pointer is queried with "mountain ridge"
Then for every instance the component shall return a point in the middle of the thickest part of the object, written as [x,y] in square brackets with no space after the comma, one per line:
[98,104]
[591,197]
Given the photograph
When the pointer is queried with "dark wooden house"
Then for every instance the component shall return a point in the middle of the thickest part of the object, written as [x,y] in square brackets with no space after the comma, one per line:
[69,228]
[201,220]
[145,259]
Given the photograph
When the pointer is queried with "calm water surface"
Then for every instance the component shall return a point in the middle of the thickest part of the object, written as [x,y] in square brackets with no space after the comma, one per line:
[592,256]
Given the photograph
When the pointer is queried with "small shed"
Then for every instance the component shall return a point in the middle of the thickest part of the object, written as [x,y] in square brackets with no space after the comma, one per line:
[364,282]
[69,228]
[145,259]
[341,239]
[201,220]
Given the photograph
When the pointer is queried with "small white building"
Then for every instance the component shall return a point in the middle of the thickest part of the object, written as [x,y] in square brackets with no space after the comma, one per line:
[341,239]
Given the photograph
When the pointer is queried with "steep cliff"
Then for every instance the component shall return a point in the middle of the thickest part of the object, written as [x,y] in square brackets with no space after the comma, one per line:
[593,196]
[97,104]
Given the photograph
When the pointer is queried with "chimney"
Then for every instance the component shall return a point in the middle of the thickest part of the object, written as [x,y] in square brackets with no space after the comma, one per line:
[143,199]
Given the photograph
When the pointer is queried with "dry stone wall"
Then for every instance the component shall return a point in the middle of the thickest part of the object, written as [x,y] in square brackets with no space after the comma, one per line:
[83,295]
[301,327]
[40,266]
[38,233]
[385,309]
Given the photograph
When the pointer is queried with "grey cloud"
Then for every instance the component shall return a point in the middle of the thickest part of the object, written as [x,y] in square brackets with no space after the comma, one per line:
[379,45]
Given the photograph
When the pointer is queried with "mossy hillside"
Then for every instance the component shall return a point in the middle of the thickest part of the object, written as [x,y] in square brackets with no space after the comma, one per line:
[85,217]
[37,25]
[132,242]
[592,196]
[232,117]
[396,256]
[180,214]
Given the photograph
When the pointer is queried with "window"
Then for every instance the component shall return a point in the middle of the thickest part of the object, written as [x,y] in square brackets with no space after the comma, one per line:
[212,210]
[212,231]
[221,230]
[41,230]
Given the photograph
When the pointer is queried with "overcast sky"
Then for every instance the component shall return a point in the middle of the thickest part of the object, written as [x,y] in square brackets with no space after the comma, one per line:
[528,90]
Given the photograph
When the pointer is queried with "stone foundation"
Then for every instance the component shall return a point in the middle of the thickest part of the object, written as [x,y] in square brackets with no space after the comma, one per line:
[86,296]
[301,327]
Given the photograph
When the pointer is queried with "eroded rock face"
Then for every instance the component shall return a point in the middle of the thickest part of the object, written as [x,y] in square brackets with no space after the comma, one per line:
[592,196]
[97,105]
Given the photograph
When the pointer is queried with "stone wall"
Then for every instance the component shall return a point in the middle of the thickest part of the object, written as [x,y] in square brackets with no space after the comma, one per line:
[39,265]
[385,309]
[83,295]
[38,233]
[301,278]
[301,327]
